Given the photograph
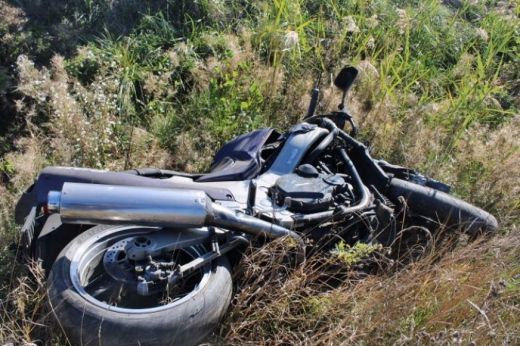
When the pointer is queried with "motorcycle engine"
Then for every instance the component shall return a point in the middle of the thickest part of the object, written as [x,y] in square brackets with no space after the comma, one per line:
[306,190]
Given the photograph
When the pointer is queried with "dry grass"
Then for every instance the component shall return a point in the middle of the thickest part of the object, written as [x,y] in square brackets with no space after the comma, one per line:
[438,92]
[83,128]
[437,300]
[25,318]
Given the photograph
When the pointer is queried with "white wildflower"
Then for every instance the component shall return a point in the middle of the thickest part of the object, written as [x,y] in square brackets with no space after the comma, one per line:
[372,21]
[403,22]
[371,43]
[350,24]
[483,34]
[23,59]
[290,40]
[431,108]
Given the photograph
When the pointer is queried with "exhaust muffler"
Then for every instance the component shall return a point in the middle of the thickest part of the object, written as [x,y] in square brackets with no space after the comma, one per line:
[144,206]
[158,207]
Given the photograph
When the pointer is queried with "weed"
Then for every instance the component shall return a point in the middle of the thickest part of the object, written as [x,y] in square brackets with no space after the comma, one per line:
[161,83]
[353,254]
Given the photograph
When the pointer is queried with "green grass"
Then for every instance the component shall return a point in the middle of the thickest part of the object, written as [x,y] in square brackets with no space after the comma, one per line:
[350,255]
[117,85]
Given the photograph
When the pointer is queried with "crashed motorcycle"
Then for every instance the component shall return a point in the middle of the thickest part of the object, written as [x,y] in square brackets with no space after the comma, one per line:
[142,257]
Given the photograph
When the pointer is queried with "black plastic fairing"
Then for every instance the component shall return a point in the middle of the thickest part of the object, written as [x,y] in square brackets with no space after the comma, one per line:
[52,178]
[240,158]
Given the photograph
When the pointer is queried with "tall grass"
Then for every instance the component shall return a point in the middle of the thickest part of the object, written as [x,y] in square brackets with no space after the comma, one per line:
[434,302]
[124,84]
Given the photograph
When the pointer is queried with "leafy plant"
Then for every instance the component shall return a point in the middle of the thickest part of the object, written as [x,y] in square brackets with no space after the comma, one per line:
[352,254]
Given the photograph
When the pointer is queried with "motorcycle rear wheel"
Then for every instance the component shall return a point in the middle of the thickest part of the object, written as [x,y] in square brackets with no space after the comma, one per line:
[91,318]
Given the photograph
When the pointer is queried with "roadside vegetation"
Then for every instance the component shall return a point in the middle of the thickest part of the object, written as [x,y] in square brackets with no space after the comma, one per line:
[119,84]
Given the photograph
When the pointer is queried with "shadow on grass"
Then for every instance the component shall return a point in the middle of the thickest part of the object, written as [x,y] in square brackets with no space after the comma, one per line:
[42,28]
[61,26]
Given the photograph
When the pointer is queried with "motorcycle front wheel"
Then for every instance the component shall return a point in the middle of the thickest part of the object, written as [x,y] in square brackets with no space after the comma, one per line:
[95,309]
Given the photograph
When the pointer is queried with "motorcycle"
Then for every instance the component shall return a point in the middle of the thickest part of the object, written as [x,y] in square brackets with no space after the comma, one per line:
[143,256]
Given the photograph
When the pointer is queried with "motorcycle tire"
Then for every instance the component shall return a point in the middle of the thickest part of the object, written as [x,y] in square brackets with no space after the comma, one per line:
[88,321]
[444,208]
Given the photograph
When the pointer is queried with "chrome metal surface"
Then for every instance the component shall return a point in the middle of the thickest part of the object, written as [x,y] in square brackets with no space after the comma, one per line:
[239,189]
[109,204]
[201,261]
[232,219]
[291,155]
[264,204]
[53,202]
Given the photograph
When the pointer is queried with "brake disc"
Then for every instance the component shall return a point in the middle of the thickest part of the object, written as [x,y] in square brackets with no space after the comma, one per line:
[117,264]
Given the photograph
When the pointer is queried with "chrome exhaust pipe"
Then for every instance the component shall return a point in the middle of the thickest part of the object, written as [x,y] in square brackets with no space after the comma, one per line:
[145,206]
[229,219]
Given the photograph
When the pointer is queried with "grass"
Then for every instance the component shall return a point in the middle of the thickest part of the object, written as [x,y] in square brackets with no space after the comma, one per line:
[429,302]
[163,83]
[438,300]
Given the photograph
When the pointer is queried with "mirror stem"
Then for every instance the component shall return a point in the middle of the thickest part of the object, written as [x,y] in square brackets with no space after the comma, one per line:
[314,102]
[342,106]
[344,110]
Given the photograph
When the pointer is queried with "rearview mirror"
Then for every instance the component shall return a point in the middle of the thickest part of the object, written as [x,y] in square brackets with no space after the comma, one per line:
[345,78]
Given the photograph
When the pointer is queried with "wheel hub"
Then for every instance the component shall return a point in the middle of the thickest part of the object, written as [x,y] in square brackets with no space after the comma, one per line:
[146,275]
